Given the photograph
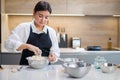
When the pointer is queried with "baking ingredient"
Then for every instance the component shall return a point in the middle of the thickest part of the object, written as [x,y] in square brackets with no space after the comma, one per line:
[109,44]
[37,57]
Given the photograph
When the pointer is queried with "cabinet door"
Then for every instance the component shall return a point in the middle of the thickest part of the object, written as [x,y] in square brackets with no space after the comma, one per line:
[11,58]
[94,7]
[20,6]
[58,6]
[75,7]
[27,6]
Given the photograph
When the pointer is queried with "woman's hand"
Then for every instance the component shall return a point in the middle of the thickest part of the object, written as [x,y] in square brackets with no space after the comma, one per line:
[30,47]
[52,57]
[33,48]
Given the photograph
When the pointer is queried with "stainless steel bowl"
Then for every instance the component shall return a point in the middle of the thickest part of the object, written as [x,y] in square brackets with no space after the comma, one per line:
[77,69]
[108,67]
[67,60]
[37,63]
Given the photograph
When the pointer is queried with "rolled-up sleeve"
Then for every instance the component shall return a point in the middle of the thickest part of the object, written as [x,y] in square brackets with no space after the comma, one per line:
[15,39]
[13,42]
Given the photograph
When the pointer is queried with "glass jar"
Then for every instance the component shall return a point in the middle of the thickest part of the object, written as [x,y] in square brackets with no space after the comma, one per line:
[98,61]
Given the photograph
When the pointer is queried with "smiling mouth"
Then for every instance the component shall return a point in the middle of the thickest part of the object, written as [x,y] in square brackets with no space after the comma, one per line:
[41,22]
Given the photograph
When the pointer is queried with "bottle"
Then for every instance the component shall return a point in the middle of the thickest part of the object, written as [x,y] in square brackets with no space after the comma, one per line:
[109,44]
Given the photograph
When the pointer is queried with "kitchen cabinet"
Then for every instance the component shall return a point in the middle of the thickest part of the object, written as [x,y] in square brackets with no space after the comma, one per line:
[58,6]
[19,6]
[23,6]
[87,7]
[93,7]
[10,58]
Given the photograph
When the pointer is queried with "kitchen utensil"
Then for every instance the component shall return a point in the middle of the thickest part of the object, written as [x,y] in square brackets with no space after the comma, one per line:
[37,63]
[76,42]
[108,67]
[94,48]
[77,69]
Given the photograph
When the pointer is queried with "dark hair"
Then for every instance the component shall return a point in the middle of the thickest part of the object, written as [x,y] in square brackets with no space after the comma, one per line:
[42,6]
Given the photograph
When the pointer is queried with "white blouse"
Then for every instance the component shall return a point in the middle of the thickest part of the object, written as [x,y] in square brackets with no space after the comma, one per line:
[21,33]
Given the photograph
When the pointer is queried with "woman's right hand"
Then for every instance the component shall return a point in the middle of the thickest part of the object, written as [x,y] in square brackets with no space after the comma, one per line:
[35,49]
[30,47]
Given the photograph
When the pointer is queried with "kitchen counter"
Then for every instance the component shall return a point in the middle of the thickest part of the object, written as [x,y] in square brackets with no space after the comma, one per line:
[79,50]
[84,51]
[71,50]
[88,56]
[52,72]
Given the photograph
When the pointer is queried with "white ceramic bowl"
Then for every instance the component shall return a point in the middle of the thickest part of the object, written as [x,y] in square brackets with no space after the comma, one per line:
[77,69]
[108,67]
[37,63]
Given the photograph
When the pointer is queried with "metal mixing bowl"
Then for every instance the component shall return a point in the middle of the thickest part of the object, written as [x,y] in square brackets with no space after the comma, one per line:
[37,63]
[68,60]
[77,69]
[108,67]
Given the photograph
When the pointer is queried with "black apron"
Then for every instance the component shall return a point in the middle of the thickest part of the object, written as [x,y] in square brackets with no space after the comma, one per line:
[42,41]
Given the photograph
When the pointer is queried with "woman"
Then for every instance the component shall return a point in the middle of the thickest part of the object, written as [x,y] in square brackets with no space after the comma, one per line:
[33,37]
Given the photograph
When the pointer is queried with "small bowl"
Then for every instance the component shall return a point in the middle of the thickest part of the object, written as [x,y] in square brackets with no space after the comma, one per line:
[108,67]
[37,63]
[77,69]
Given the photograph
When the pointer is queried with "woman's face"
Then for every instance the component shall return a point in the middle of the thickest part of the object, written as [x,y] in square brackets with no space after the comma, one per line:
[41,18]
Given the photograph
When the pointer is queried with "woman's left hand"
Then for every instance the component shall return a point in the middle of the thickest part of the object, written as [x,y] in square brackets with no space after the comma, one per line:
[52,57]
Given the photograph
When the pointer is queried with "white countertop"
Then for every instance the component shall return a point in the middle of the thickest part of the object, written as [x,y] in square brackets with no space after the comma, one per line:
[52,72]
[82,51]
[69,50]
